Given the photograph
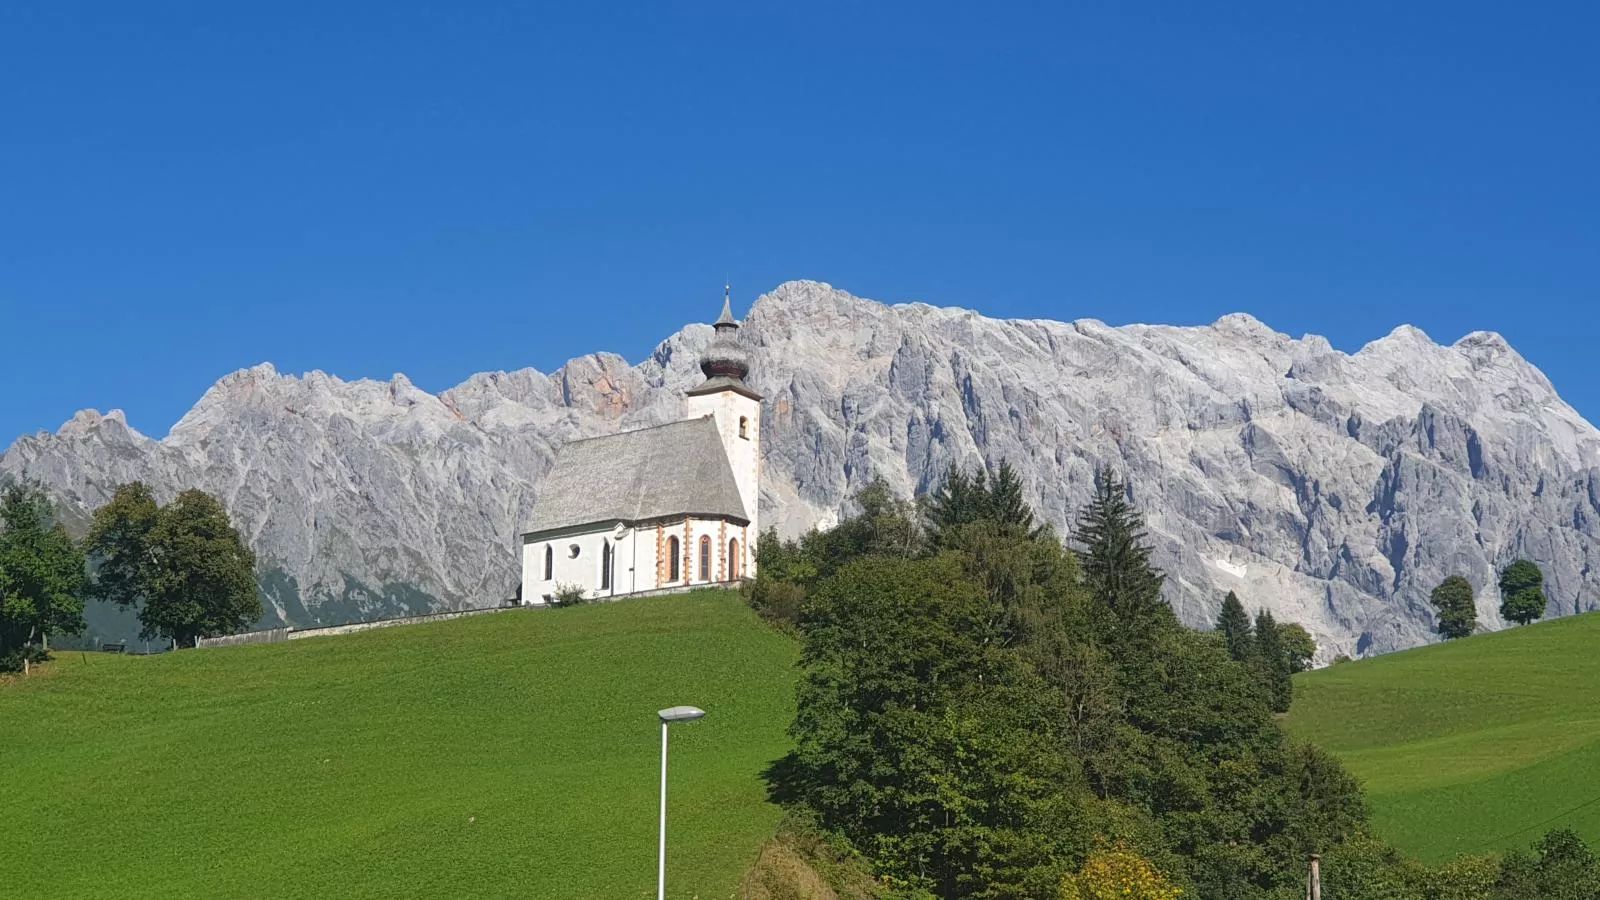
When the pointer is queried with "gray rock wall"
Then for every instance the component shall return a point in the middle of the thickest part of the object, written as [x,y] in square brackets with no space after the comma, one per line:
[1334,489]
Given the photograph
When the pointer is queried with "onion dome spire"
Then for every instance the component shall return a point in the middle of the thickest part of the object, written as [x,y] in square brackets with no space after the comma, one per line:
[725,362]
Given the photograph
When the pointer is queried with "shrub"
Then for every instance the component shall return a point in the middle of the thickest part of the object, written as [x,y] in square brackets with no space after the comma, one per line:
[569,595]
[776,601]
[12,660]
[1116,872]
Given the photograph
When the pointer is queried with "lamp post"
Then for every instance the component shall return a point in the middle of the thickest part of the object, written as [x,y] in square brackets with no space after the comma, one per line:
[668,716]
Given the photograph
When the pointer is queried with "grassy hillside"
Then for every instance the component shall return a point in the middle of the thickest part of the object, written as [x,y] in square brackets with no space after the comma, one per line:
[354,766]
[1469,747]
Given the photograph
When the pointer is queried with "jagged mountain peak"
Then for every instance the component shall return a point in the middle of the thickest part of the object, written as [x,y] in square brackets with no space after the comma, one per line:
[1334,488]
[87,422]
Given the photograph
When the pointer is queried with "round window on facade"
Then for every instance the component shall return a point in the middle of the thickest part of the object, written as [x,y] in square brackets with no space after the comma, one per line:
[573,551]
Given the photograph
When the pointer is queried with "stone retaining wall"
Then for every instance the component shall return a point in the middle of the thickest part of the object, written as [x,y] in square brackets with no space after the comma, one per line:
[270,636]
[353,627]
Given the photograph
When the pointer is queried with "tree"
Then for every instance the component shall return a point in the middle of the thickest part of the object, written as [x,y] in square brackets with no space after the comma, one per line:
[966,500]
[1458,614]
[972,714]
[1522,592]
[1273,663]
[1006,506]
[1561,867]
[42,577]
[1116,562]
[1118,872]
[1331,805]
[884,525]
[958,500]
[1234,623]
[200,580]
[925,741]
[119,542]
[1298,645]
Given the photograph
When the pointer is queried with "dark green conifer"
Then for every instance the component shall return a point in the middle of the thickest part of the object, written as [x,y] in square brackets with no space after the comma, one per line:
[960,500]
[1116,561]
[1234,623]
[1273,663]
[1006,506]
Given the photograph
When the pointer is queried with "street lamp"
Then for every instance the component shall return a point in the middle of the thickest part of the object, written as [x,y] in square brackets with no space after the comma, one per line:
[668,716]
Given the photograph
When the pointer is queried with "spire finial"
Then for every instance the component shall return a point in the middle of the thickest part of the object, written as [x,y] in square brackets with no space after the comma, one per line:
[727,308]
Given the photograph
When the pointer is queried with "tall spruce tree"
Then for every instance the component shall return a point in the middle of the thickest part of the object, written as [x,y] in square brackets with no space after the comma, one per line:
[1458,615]
[1005,502]
[1116,562]
[964,499]
[960,499]
[1234,623]
[1272,662]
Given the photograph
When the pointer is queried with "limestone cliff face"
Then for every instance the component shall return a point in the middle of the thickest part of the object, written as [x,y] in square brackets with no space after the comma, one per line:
[1334,489]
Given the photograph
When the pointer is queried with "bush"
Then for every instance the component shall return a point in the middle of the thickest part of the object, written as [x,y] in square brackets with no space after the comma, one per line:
[12,660]
[776,601]
[1118,873]
[804,861]
[569,595]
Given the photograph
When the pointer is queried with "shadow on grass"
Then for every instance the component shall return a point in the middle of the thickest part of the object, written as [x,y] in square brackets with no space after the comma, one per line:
[785,778]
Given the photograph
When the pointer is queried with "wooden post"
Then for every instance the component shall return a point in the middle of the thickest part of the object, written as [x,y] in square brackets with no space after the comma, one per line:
[1316,877]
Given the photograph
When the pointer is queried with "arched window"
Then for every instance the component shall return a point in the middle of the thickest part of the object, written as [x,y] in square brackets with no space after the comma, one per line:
[605,565]
[673,559]
[733,559]
[705,558]
[549,562]
[744,428]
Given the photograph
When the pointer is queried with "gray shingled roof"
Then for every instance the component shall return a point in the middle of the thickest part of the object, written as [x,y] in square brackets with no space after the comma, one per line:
[670,470]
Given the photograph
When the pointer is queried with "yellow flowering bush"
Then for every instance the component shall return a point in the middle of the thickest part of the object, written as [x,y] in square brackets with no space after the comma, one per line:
[1116,872]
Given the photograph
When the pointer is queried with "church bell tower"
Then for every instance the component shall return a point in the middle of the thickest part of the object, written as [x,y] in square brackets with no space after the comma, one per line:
[737,410]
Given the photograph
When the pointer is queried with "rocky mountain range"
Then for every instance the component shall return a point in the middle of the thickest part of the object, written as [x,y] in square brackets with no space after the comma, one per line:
[1334,489]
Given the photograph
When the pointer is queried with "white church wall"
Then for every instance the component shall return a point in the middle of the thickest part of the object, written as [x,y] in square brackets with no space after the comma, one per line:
[689,534]
[739,424]
[643,576]
[634,566]
[575,559]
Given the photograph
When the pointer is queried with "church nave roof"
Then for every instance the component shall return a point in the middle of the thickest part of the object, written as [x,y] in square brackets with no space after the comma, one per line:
[674,470]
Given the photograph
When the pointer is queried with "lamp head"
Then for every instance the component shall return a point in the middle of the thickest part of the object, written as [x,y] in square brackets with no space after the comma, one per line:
[681,714]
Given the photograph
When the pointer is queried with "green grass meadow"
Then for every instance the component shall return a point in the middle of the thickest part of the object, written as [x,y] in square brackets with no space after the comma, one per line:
[1475,746]
[354,766]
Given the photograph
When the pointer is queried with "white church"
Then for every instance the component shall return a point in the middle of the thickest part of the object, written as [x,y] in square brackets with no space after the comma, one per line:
[657,509]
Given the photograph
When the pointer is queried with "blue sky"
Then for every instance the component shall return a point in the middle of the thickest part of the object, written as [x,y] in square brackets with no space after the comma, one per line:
[440,189]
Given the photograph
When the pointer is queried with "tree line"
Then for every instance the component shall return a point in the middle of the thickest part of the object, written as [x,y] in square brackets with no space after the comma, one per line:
[182,566]
[987,711]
